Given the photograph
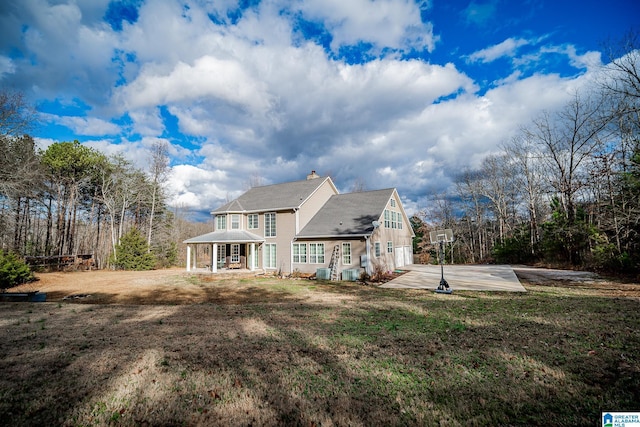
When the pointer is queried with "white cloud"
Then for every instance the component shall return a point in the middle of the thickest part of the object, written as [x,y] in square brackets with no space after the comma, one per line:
[197,188]
[208,77]
[505,48]
[147,122]
[6,66]
[250,100]
[90,126]
[384,23]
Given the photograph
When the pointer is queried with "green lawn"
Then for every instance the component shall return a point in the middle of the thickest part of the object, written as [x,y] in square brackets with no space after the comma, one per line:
[313,353]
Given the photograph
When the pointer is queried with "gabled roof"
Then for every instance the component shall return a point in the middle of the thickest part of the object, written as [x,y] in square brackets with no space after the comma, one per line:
[349,214]
[288,195]
[232,236]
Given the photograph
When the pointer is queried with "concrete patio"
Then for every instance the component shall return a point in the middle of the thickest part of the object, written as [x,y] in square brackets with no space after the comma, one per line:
[459,277]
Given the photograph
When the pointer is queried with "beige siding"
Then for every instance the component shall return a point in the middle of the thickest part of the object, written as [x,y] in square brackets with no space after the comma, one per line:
[358,248]
[311,206]
[285,231]
[399,237]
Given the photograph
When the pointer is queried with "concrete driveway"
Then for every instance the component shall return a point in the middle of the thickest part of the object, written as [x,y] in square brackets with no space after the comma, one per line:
[459,277]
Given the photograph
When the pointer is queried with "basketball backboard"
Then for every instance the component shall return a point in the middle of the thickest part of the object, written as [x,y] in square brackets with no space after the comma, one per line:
[445,235]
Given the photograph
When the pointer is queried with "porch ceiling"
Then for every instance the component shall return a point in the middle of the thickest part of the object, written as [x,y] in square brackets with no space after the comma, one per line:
[233,236]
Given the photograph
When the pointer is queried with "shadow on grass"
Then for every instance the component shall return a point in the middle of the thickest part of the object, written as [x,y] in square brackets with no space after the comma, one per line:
[385,360]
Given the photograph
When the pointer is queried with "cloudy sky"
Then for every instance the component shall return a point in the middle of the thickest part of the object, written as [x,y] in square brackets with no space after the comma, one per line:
[389,93]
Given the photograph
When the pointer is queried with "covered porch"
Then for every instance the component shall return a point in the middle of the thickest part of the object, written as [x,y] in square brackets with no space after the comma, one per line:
[223,251]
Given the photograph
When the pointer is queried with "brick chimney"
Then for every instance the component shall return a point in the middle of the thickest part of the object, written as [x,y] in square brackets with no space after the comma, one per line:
[313,175]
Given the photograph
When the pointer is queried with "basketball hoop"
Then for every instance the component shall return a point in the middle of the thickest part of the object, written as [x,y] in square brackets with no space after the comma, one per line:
[440,237]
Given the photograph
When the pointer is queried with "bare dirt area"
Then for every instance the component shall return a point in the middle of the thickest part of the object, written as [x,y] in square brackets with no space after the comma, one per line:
[157,287]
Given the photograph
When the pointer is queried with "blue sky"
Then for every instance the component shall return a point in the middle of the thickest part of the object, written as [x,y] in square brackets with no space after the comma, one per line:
[389,93]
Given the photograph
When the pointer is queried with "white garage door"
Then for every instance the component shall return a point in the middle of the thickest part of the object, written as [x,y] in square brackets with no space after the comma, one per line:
[400,256]
[408,255]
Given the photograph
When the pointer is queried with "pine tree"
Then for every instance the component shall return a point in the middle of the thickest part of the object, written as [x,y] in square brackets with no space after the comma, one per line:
[13,271]
[133,253]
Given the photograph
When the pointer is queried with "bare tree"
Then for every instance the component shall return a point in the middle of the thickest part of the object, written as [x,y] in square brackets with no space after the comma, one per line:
[526,161]
[474,205]
[16,114]
[159,169]
[622,73]
[567,141]
[359,185]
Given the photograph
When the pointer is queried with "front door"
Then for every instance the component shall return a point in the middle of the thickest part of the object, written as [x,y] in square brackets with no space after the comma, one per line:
[235,253]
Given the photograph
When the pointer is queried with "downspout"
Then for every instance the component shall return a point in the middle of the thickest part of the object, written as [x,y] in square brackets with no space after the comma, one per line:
[367,244]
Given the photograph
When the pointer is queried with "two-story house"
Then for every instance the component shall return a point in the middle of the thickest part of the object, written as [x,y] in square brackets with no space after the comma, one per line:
[305,226]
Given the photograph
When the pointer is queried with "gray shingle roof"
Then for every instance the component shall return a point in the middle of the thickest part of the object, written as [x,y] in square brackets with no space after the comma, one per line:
[288,195]
[232,236]
[349,214]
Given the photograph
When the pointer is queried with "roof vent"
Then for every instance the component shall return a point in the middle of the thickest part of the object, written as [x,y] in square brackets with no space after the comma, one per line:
[313,175]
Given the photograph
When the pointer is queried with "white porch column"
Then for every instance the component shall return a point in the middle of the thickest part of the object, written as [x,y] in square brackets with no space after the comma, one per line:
[188,257]
[195,257]
[214,258]
[253,257]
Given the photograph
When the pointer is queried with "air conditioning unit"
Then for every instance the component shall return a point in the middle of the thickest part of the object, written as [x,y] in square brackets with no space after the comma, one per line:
[323,273]
[350,275]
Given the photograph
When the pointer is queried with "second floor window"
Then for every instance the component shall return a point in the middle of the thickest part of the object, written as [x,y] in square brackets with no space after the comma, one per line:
[252,219]
[270,225]
[221,222]
[235,222]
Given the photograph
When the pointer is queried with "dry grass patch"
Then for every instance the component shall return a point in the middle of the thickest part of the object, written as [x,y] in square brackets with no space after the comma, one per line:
[297,352]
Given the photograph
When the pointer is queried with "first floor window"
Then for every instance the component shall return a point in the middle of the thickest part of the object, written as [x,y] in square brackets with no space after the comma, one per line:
[221,254]
[390,247]
[316,253]
[221,222]
[269,255]
[377,249]
[346,253]
[300,252]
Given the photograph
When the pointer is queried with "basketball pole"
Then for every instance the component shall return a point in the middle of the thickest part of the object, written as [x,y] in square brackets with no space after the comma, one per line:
[444,286]
[440,237]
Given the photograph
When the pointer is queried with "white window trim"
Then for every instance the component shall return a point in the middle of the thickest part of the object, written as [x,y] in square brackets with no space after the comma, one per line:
[267,229]
[389,247]
[318,256]
[346,254]
[219,219]
[236,221]
[377,249]
[299,255]
[266,257]
[253,225]
[235,256]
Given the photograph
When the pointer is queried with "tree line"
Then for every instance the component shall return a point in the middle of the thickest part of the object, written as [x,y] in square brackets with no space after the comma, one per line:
[565,190]
[71,199]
